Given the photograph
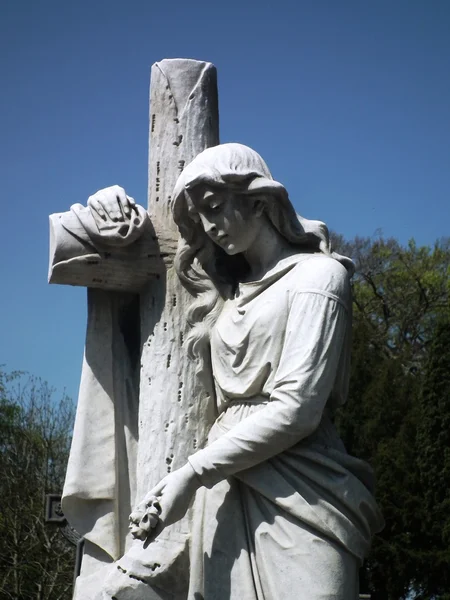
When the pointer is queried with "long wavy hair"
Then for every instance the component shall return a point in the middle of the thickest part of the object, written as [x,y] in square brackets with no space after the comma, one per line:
[204,268]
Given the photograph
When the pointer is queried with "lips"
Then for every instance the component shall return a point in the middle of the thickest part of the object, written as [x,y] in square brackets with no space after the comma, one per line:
[221,238]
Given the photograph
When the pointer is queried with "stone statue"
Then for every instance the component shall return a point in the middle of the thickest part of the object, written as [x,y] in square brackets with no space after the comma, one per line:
[257,345]
[281,510]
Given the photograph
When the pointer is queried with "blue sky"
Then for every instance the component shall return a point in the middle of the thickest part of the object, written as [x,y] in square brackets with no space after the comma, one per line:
[347,100]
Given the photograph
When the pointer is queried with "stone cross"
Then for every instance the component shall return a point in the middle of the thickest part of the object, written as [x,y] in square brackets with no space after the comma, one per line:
[141,412]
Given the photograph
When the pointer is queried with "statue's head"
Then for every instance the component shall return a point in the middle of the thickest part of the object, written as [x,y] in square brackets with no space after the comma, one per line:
[224,194]
[220,201]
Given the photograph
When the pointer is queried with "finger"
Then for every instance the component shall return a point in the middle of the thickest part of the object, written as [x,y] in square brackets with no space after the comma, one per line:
[126,210]
[136,515]
[137,533]
[108,208]
[153,534]
[148,522]
[121,202]
[94,204]
[109,203]
[133,205]
[128,207]
[105,201]
[155,493]
[119,214]
[150,498]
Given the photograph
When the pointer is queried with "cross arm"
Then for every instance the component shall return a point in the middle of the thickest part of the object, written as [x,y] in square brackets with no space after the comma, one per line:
[109,256]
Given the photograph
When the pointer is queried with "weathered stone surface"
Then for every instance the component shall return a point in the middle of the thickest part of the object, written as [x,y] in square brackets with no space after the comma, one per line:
[175,414]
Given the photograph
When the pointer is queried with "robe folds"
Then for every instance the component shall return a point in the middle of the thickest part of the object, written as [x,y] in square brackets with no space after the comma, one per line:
[284,512]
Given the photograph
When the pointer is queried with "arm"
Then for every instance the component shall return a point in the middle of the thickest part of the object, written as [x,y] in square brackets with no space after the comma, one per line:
[312,347]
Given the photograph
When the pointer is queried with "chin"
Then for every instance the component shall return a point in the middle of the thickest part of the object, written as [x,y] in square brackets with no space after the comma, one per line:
[231,250]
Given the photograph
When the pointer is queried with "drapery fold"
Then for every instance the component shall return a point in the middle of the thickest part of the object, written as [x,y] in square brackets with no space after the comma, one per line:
[99,489]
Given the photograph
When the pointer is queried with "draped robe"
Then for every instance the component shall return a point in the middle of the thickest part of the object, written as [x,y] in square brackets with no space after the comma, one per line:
[285,513]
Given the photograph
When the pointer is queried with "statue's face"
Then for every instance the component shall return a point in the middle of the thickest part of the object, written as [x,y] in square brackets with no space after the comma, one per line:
[231,220]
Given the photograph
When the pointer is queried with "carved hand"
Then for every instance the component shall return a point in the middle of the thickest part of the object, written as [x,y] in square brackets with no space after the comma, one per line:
[111,218]
[112,204]
[165,504]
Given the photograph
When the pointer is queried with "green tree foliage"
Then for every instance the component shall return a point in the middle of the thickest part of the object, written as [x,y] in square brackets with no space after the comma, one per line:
[400,297]
[399,292]
[433,439]
[36,562]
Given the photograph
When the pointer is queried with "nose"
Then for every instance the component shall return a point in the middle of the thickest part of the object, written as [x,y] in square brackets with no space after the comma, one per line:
[210,228]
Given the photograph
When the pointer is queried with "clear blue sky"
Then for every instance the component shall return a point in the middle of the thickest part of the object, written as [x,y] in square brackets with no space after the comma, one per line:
[347,100]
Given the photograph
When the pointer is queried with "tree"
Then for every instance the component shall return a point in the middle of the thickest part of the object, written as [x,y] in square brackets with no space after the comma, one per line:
[400,295]
[35,560]
[399,292]
[434,466]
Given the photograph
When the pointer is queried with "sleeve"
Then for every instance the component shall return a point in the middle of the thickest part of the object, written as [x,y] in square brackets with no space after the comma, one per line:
[313,342]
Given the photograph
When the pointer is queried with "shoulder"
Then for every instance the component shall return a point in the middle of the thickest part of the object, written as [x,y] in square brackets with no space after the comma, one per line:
[317,273]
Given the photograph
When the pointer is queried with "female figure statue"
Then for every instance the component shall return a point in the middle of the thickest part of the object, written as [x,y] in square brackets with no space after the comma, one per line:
[281,510]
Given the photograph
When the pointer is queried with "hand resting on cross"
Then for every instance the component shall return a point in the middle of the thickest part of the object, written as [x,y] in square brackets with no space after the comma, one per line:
[113,218]
[112,204]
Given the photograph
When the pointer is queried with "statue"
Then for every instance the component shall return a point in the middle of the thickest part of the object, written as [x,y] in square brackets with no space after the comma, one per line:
[281,510]
[271,505]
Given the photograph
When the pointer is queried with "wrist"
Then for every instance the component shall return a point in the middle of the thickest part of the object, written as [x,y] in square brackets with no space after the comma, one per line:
[191,476]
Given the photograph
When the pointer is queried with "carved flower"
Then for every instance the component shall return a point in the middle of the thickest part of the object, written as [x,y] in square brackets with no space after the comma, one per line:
[145,518]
